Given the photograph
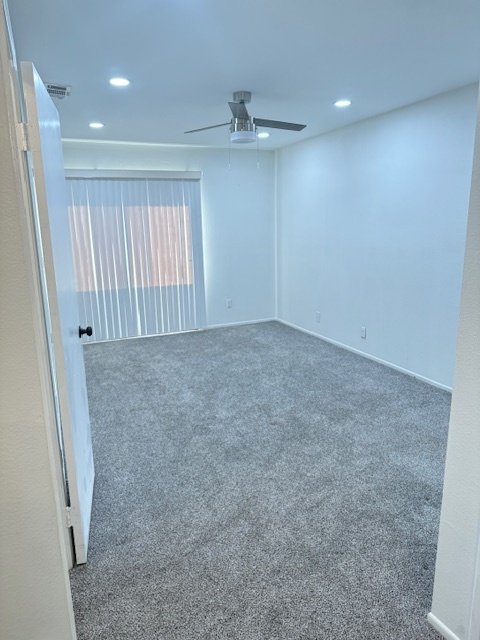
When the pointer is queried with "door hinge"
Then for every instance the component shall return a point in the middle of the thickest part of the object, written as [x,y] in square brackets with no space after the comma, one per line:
[23,141]
[68,517]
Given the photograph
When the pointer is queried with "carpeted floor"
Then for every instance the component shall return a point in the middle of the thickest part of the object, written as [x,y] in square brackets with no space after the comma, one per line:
[256,483]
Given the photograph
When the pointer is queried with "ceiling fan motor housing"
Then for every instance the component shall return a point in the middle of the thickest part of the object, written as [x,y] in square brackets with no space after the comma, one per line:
[242,130]
[242,96]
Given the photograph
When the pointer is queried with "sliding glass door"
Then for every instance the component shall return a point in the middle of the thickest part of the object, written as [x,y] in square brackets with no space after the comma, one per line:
[137,246]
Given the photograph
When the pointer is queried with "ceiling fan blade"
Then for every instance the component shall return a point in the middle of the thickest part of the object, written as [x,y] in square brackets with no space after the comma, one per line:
[214,126]
[239,110]
[277,124]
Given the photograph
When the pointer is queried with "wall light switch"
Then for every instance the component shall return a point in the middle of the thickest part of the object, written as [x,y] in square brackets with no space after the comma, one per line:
[228,303]
[317,316]
[363,332]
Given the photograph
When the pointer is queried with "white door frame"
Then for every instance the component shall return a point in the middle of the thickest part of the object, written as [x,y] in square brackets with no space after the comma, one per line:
[16,117]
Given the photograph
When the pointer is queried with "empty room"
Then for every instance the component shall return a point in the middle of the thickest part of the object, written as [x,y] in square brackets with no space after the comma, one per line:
[240,309]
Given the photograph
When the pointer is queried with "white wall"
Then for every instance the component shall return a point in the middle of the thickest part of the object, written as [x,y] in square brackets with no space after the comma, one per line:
[456,598]
[238,217]
[35,601]
[371,232]
[371,224]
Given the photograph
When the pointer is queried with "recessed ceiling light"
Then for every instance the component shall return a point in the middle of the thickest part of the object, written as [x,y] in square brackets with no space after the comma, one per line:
[96,125]
[263,134]
[342,103]
[119,82]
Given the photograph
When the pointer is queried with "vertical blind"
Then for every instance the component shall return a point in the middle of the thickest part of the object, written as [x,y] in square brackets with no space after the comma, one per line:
[138,255]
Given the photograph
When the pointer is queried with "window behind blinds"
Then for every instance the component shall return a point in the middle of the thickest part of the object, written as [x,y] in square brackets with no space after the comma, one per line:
[137,255]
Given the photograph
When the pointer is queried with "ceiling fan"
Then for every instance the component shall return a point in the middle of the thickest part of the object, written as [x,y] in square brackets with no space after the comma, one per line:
[243,128]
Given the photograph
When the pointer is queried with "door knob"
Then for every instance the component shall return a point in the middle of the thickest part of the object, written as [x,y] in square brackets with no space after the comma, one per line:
[81,331]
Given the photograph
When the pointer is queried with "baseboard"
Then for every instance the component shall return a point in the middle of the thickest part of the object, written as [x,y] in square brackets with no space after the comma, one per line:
[441,628]
[149,335]
[175,333]
[242,322]
[434,383]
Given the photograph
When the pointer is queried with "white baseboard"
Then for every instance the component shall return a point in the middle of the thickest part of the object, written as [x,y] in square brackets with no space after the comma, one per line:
[434,383]
[441,628]
[242,322]
[150,335]
[175,333]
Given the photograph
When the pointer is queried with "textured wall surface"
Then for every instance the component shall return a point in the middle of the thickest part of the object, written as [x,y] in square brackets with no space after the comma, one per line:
[238,217]
[35,601]
[371,228]
[458,568]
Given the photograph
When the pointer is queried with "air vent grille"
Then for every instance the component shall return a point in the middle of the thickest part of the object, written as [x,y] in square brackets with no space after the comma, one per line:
[58,91]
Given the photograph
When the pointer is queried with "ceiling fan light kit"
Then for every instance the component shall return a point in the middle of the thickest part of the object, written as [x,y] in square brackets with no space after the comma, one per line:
[243,128]
[242,131]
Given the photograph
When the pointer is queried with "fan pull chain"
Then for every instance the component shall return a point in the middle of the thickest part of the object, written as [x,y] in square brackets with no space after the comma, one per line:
[258,154]
[229,154]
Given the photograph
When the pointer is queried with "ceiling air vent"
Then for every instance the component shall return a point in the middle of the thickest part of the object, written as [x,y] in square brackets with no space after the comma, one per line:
[58,91]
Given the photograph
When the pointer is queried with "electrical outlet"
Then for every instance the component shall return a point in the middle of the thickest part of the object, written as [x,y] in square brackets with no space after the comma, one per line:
[317,316]
[228,303]
[363,332]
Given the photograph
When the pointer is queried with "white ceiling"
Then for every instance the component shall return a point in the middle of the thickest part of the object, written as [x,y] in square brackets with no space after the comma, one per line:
[185,58]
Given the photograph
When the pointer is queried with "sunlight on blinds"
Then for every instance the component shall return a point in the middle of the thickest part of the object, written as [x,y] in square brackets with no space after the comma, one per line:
[134,257]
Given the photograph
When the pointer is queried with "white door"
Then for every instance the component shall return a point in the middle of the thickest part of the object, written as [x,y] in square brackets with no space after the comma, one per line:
[50,207]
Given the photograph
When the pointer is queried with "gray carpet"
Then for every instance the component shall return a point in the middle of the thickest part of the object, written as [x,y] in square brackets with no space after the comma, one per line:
[254,482]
